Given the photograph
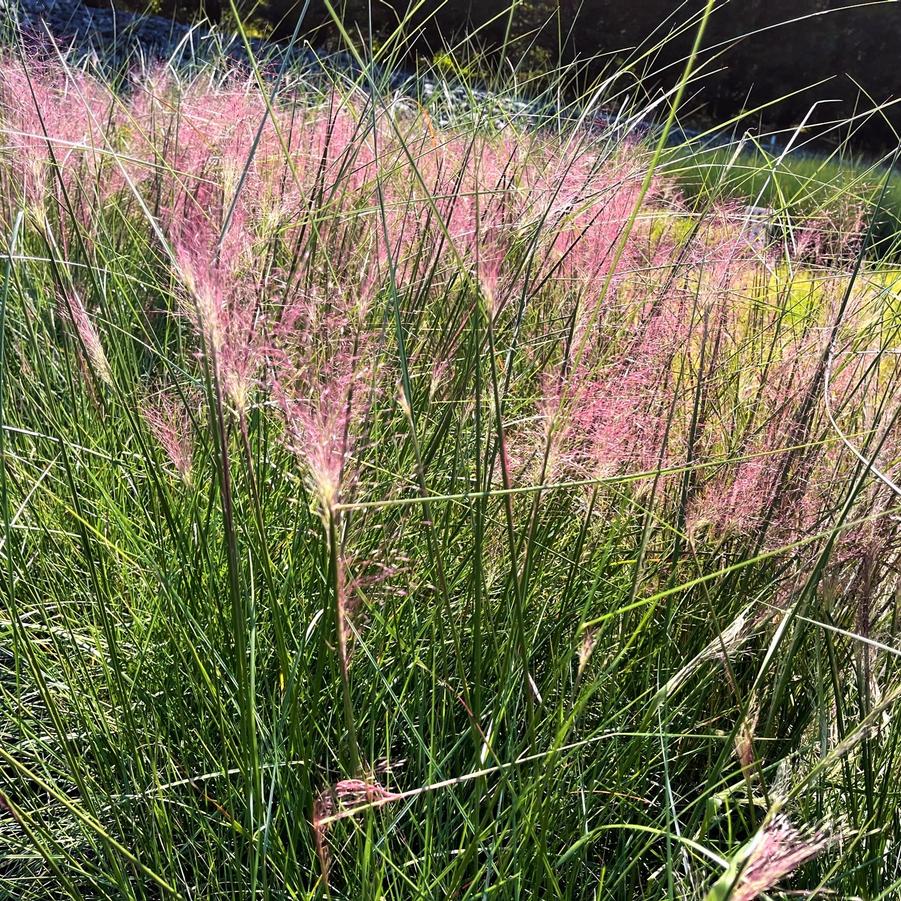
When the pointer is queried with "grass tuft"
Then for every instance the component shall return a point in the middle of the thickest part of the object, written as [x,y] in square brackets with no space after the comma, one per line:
[405,505]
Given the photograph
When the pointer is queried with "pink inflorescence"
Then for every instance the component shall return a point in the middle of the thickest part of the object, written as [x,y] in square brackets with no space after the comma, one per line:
[170,422]
[74,310]
[778,850]
[54,124]
[304,241]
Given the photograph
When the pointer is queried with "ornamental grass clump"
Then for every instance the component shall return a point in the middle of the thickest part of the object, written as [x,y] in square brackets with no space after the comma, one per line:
[407,504]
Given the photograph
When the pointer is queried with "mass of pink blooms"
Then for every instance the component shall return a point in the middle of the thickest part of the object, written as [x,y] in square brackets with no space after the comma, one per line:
[301,244]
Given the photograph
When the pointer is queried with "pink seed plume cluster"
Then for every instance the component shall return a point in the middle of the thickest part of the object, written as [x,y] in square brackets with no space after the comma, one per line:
[778,850]
[345,796]
[57,140]
[170,423]
[641,336]
[73,309]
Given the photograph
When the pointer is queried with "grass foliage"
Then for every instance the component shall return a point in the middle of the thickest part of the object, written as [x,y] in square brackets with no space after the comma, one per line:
[396,507]
[828,188]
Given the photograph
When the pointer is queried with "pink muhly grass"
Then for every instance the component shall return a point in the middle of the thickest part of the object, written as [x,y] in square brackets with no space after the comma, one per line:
[618,410]
[488,267]
[203,280]
[49,116]
[721,253]
[874,540]
[541,450]
[778,850]
[170,423]
[344,797]
[320,413]
[588,221]
[195,127]
[776,485]
[321,366]
[198,141]
[621,410]
[784,478]
[209,272]
[74,310]
[322,381]
[737,505]
[220,293]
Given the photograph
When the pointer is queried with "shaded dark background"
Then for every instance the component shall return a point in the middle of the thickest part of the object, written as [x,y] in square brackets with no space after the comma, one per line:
[754,53]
